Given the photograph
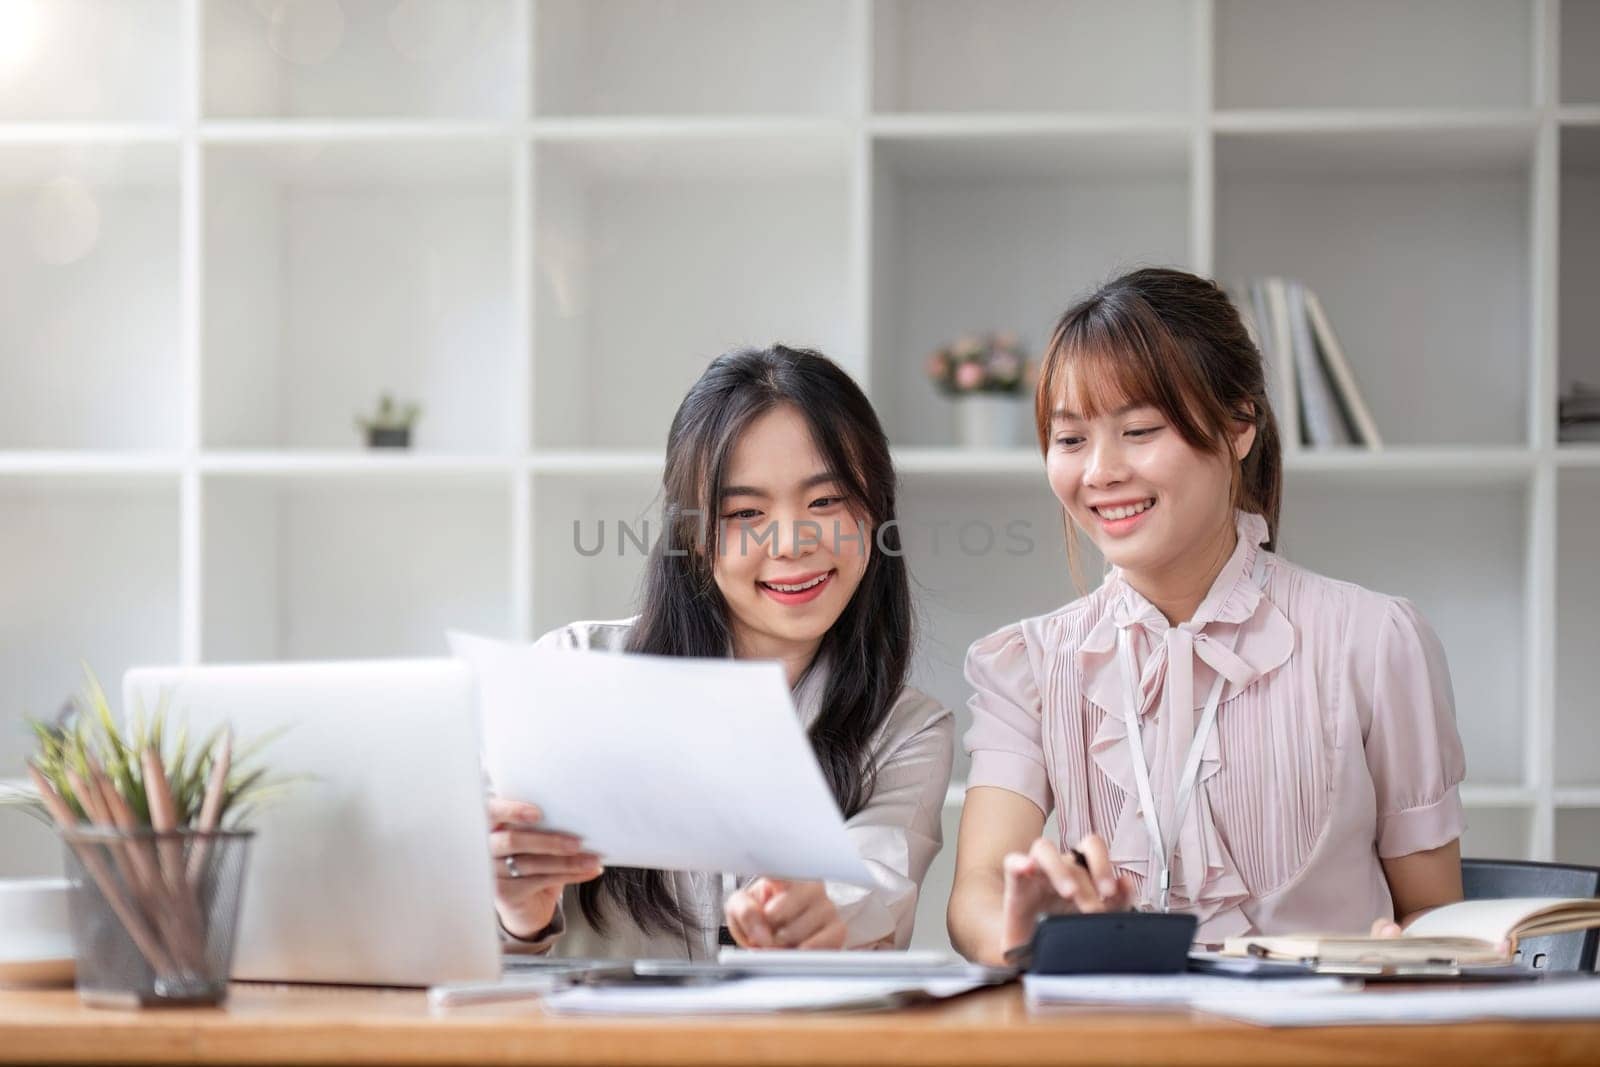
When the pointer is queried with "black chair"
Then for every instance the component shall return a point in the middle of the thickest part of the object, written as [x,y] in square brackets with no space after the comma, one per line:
[1496,879]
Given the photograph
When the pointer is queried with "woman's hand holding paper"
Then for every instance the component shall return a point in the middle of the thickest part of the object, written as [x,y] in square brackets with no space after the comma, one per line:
[532,866]
[772,913]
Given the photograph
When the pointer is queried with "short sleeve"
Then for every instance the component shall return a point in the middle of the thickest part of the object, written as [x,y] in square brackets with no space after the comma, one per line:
[1413,749]
[1006,738]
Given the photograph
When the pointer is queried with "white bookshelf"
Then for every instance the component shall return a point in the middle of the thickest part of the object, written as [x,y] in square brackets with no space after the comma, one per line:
[226,225]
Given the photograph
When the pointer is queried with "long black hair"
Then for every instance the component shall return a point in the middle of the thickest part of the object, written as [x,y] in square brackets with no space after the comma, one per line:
[868,648]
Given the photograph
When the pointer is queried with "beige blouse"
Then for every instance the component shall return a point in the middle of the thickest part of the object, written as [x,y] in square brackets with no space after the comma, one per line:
[1335,744]
[897,833]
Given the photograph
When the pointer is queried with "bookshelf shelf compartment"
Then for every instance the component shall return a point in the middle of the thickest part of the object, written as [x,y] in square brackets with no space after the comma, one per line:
[1022,55]
[336,272]
[1373,53]
[1497,833]
[89,300]
[1479,623]
[85,60]
[586,537]
[654,257]
[1577,758]
[95,581]
[1393,230]
[1578,835]
[980,559]
[433,58]
[1578,334]
[334,568]
[1580,43]
[779,57]
[1002,233]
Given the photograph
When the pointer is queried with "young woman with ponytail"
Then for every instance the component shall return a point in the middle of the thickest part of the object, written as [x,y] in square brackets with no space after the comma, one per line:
[1217,730]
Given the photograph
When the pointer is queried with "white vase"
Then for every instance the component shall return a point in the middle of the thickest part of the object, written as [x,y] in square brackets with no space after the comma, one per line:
[991,420]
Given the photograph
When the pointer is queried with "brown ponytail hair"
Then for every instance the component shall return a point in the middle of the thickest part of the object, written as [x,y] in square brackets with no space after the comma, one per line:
[1174,341]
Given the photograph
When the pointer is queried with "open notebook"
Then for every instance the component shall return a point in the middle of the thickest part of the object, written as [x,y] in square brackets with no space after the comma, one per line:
[1469,932]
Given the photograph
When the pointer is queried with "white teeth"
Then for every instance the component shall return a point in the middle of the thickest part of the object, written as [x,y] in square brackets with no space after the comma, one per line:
[802,587]
[1125,512]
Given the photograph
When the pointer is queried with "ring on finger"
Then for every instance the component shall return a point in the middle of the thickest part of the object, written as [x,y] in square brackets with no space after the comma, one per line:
[511,867]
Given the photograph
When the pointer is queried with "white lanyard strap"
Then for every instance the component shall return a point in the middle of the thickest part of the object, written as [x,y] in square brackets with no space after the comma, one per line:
[1190,777]
[1141,771]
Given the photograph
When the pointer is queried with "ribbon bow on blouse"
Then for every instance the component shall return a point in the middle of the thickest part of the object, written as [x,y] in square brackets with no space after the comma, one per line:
[1237,634]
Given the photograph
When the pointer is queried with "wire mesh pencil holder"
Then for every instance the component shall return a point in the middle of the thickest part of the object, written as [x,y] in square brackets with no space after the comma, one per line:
[154,914]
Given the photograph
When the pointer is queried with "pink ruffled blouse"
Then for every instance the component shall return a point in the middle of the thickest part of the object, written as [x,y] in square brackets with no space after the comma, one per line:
[1335,743]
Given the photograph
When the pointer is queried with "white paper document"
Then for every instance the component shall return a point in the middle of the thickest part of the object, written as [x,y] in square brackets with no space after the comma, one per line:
[1178,990]
[666,762]
[751,995]
[923,966]
[813,963]
[1576,998]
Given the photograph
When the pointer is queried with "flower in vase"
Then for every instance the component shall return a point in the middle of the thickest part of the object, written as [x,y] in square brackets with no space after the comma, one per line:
[1005,369]
[969,347]
[988,363]
[969,377]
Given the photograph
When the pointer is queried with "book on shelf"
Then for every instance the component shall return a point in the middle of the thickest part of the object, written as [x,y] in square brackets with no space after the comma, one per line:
[1260,322]
[1467,932]
[1322,417]
[1309,378]
[1579,418]
[1352,403]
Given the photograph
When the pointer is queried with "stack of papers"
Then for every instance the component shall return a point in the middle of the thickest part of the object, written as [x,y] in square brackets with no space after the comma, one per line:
[1550,998]
[745,996]
[739,982]
[805,963]
[1172,990]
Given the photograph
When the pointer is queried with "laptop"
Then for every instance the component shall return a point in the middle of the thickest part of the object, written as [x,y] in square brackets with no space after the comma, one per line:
[373,867]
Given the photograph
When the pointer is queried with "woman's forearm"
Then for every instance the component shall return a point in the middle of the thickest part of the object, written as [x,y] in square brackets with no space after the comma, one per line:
[975,917]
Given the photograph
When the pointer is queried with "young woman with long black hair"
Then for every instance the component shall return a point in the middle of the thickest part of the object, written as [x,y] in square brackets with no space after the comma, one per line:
[779,543]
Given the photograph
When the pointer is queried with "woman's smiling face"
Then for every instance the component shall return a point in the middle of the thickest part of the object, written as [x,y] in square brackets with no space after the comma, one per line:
[791,550]
[1143,493]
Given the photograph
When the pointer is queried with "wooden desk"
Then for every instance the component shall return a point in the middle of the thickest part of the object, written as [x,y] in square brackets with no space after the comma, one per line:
[302,1025]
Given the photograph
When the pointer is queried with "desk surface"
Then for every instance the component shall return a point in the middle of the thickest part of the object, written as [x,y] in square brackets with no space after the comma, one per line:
[302,1024]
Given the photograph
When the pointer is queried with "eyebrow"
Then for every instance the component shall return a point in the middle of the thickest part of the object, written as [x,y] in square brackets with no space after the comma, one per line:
[1073,416]
[751,490]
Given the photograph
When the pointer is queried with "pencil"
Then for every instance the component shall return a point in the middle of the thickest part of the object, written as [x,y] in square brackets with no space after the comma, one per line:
[211,806]
[143,939]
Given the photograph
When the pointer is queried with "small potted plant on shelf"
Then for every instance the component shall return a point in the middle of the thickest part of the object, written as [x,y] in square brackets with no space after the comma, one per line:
[390,426]
[153,847]
[987,377]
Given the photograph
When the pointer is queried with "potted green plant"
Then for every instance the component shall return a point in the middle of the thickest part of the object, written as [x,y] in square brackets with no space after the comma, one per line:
[390,426]
[988,377]
[155,852]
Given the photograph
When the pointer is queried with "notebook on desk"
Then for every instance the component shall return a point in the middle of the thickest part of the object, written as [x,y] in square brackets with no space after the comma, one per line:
[1465,933]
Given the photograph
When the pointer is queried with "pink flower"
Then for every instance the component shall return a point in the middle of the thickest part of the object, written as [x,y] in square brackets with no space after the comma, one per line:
[1006,368]
[969,376]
